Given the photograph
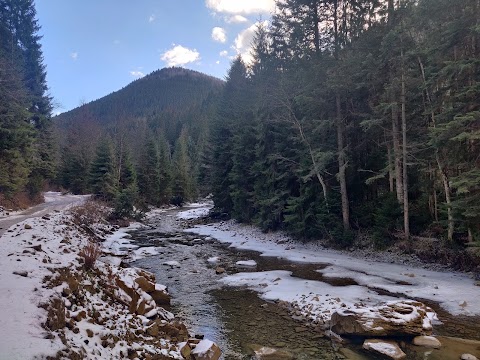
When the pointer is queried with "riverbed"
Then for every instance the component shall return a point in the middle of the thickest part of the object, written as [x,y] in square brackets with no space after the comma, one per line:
[238,319]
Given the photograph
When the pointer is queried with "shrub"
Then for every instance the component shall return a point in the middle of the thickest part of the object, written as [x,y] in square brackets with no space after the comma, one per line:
[177,200]
[89,213]
[90,254]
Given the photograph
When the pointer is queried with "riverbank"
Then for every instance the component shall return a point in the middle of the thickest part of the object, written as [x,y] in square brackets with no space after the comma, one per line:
[455,292]
[61,297]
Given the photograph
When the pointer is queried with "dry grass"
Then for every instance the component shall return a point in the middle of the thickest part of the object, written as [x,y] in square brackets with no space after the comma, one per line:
[19,201]
[89,213]
[90,254]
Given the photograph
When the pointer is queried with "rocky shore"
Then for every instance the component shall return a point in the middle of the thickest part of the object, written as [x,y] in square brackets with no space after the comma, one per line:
[67,297]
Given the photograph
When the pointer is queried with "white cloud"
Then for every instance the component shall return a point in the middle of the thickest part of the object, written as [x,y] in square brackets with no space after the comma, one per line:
[217,62]
[151,18]
[137,73]
[223,53]
[179,55]
[238,7]
[236,19]
[74,55]
[243,42]
[219,34]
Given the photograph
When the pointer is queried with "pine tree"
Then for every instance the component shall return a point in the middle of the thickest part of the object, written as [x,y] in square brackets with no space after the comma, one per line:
[183,186]
[19,17]
[230,111]
[102,174]
[149,181]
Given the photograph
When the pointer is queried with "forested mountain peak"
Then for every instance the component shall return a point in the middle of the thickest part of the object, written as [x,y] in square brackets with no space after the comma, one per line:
[167,89]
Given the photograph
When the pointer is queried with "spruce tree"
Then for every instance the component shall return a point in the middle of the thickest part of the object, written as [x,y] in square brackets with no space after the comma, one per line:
[102,175]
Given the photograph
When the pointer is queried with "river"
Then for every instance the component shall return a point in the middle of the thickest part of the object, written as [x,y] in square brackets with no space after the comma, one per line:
[238,320]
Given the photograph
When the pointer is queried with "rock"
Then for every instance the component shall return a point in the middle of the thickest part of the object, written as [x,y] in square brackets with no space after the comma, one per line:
[386,348]
[185,350]
[206,350]
[145,285]
[141,308]
[122,285]
[89,333]
[160,297]
[27,226]
[45,217]
[427,341]
[219,270]
[21,273]
[37,247]
[81,315]
[153,330]
[396,318]
[268,353]
[468,357]
[246,263]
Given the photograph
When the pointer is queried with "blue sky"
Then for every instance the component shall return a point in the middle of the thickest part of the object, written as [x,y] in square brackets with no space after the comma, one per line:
[93,47]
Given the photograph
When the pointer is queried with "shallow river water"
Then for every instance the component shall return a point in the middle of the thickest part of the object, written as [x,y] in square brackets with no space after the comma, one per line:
[237,319]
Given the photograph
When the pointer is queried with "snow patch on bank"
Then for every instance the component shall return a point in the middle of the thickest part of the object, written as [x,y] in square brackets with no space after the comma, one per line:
[314,299]
[455,292]
[198,210]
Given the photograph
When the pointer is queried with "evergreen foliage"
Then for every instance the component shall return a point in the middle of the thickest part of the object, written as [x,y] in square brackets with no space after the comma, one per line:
[26,160]
[102,175]
[355,114]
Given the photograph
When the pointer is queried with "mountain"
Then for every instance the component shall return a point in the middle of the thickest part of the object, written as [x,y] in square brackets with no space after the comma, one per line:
[168,99]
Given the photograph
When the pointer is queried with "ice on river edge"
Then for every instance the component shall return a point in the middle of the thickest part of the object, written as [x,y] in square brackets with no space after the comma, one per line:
[455,292]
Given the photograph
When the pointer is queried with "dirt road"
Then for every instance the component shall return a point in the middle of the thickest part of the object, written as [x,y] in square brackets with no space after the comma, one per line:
[53,201]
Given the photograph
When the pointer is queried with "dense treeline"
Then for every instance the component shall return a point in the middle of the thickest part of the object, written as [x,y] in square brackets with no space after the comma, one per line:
[25,132]
[355,115]
[142,145]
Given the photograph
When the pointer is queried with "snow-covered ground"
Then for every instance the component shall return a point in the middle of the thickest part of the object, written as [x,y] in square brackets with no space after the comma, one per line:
[197,210]
[41,248]
[455,292]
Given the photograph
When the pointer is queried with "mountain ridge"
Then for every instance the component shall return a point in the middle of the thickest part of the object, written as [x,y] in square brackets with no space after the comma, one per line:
[161,90]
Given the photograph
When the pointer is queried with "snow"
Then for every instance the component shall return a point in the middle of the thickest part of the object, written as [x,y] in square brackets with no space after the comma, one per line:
[202,347]
[383,348]
[213,260]
[172,263]
[314,299]
[53,243]
[455,292]
[199,210]
[21,333]
[246,263]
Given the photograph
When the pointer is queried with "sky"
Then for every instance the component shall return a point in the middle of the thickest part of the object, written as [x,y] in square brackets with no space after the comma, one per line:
[92,48]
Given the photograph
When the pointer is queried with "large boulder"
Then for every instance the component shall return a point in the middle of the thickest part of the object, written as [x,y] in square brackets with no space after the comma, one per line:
[389,349]
[161,297]
[145,285]
[397,318]
[427,341]
[206,350]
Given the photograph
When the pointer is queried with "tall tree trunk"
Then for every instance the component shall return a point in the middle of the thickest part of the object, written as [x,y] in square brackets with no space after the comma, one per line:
[342,164]
[391,177]
[406,219]
[397,154]
[448,200]
[443,174]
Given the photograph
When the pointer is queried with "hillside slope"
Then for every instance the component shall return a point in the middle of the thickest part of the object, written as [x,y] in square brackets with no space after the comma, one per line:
[164,89]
